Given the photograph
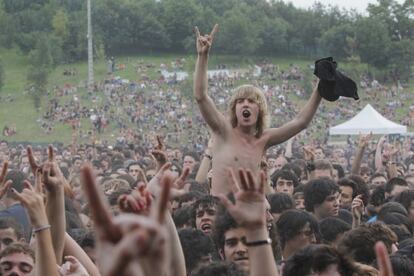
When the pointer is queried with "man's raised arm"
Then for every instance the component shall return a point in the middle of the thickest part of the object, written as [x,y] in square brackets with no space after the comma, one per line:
[209,111]
[300,122]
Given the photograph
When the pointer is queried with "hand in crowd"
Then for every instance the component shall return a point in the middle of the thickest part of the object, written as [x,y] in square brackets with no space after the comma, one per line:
[309,153]
[137,243]
[357,207]
[178,185]
[159,153]
[72,267]
[33,200]
[204,42]
[138,202]
[363,140]
[4,185]
[249,208]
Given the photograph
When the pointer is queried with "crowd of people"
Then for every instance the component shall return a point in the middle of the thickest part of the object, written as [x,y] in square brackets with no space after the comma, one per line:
[241,197]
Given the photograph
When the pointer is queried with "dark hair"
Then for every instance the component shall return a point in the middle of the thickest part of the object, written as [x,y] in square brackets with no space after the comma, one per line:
[291,222]
[348,183]
[395,181]
[135,163]
[219,269]
[401,232]
[191,154]
[359,242]
[285,174]
[375,175]
[83,237]
[293,168]
[405,198]
[204,202]
[317,258]
[361,187]
[377,197]
[317,190]
[402,265]
[10,222]
[188,197]
[338,167]
[393,207]
[195,245]
[331,227]
[197,187]
[223,223]
[18,181]
[280,202]
[182,216]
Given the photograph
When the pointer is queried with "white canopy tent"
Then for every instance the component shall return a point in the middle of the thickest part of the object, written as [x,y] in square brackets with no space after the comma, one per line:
[366,121]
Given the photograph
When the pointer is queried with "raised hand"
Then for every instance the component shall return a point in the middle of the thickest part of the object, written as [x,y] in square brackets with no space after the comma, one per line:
[72,267]
[309,153]
[32,161]
[357,207]
[137,243]
[364,140]
[138,202]
[204,42]
[4,185]
[32,199]
[249,208]
[159,153]
[52,175]
[383,260]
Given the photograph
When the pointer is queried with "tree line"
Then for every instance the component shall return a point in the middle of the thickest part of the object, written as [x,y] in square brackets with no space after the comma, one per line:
[383,37]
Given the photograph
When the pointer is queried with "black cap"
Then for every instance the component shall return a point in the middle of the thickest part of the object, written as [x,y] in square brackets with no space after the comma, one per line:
[333,83]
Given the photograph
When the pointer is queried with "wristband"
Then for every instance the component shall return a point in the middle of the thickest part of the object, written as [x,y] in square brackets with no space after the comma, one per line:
[259,242]
[41,228]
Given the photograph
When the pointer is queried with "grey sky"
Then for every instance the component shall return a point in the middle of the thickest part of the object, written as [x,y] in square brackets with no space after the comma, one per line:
[359,5]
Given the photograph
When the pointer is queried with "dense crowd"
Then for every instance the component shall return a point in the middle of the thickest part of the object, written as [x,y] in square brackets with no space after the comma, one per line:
[238,199]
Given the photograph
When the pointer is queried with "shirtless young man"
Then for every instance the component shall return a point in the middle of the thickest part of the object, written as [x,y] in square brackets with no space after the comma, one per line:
[241,141]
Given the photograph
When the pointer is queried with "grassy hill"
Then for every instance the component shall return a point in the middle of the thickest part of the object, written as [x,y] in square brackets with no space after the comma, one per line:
[17,108]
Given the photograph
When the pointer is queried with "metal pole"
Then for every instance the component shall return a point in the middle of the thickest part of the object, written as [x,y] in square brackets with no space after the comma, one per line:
[90,49]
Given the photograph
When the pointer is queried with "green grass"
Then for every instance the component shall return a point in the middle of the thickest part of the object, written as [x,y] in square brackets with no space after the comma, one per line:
[21,112]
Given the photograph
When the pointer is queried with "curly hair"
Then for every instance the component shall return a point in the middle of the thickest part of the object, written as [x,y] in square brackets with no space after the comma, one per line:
[254,93]
[359,242]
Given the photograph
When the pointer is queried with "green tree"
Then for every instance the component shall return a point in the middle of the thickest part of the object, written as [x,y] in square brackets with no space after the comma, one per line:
[335,40]
[373,41]
[1,75]
[238,34]
[179,19]
[41,63]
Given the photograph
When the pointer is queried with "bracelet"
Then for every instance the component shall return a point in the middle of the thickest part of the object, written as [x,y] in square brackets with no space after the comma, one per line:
[259,242]
[208,156]
[41,228]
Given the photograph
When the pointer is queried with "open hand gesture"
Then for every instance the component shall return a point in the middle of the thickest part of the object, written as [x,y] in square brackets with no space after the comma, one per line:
[249,208]
[204,42]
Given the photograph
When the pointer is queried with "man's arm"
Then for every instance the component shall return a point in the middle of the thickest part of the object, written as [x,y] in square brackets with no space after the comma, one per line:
[300,122]
[208,110]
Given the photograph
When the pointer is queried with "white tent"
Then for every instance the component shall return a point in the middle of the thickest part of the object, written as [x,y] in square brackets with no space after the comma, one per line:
[366,121]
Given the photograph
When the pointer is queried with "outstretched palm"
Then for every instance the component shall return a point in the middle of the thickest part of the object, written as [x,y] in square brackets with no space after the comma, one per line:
[249,208]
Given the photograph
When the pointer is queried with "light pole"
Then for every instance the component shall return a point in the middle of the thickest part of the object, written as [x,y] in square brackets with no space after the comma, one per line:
[90,49]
